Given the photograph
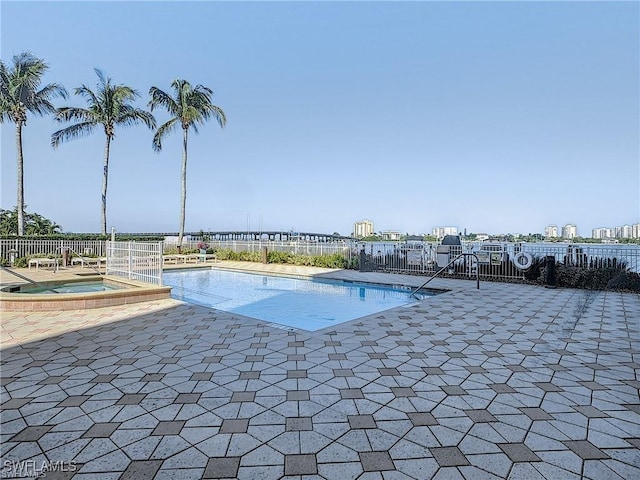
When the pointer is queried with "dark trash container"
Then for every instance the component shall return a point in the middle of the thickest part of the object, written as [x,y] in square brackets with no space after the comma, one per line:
[66,256]
[550,272]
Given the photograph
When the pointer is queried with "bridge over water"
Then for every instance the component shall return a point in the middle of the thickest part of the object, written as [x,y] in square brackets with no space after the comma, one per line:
[260,235]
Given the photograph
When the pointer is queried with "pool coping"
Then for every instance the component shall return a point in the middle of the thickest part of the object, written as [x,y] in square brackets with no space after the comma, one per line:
[133,292]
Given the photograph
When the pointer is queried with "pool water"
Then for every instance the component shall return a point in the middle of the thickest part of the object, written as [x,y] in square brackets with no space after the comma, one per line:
[72,287]
[293,302]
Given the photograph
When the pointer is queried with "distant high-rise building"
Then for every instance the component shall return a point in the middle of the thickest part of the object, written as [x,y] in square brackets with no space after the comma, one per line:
[363,229]
[622,231]
[569,231]
[440,232]
[602,233]
[551,231]
[391,235]
[626,231]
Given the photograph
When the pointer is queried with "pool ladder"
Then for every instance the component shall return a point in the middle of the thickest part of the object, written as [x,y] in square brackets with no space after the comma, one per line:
[97,270]
[413,293]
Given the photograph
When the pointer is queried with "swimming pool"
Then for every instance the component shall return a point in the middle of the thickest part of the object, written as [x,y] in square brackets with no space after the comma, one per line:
[293,302]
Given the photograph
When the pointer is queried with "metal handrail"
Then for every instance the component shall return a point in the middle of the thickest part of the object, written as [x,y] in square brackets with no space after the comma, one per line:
[28,280]
[446,266]
[82,257]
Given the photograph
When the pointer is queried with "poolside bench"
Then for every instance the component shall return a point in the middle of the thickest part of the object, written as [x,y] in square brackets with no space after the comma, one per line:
[90,261]
[192,257]
[52,262]
[188,258]
[145,261]
[175,258]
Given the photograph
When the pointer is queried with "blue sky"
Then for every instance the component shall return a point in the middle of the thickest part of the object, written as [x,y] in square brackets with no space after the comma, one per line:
[491,116]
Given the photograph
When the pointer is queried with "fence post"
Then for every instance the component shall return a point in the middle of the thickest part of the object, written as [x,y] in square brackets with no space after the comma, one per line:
[130,259]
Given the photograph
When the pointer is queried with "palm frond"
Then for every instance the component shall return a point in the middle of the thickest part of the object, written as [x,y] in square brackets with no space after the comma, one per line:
[72,132]
[189,106]
[19,88]
[109,105]
[69,114]
[163,130]
[88,95]
[129,116]
[161,99]
[53,90]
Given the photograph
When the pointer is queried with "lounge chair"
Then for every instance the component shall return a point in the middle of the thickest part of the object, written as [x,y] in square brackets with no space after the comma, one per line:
[52,262]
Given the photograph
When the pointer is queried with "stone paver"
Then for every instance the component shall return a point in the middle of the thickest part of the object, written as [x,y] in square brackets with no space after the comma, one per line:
[509,381]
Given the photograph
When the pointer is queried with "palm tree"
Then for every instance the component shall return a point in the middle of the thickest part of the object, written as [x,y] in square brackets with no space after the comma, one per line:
[189,107]
[34,224]
[39,225]
[108,106]
[20,93]
[8,221]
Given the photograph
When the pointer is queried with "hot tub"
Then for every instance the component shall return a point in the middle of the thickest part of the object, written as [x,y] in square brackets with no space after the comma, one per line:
[81,294]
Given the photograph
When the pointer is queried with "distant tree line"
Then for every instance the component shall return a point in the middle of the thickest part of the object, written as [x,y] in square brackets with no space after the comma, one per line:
[34,224]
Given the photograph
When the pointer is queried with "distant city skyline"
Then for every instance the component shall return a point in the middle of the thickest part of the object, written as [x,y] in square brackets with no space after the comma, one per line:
[490,116]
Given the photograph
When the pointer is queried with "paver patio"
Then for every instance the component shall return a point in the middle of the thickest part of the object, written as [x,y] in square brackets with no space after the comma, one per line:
[509,381]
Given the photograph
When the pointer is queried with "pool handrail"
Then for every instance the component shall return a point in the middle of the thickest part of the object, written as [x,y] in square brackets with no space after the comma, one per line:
[446,266]
[97,270]
[28,279]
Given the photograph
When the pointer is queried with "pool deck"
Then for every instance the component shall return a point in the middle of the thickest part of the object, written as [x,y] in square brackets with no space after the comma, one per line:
[509,381]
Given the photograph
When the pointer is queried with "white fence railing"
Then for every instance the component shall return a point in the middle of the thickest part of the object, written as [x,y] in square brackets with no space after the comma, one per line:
[295,247]
[497,260]
[140,261]
[402,257]
[18,248]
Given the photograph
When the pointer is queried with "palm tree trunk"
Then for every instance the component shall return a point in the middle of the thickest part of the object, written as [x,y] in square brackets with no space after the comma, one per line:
[183,194]
[105,175]
[20,169]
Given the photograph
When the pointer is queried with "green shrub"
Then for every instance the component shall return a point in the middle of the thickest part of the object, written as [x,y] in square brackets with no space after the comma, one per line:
[249,256]
[335,260]
[21,262]
[534,272]
[625,281]
[224,254]
[228,254]
[605,278]
[280,257]
[353,263]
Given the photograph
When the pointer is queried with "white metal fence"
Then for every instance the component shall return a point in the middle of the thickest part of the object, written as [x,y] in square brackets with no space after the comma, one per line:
[496,260]
[140,261]
[25,247]
[295,247]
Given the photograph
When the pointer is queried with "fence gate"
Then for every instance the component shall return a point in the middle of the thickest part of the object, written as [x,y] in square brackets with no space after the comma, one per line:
[140,261]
